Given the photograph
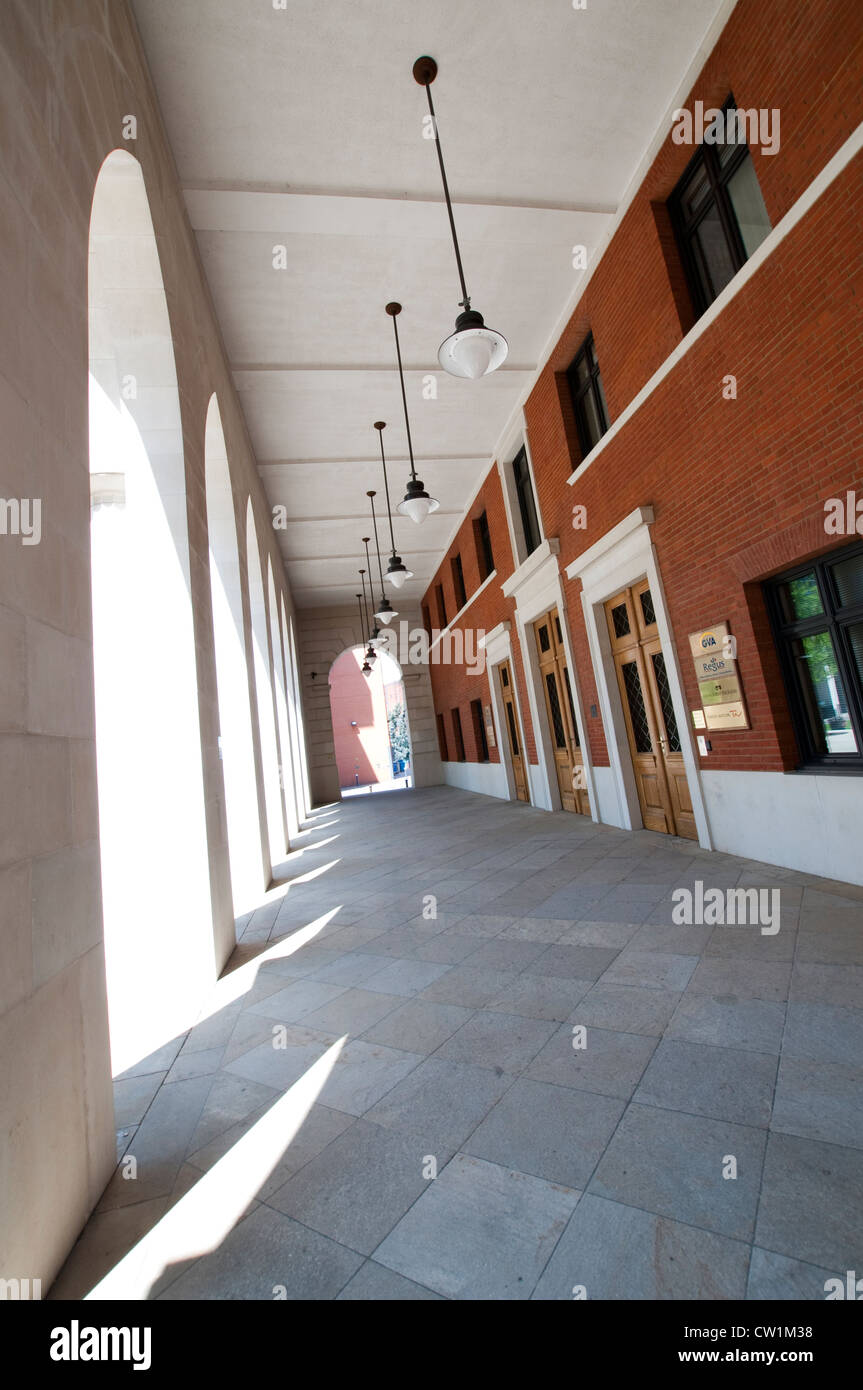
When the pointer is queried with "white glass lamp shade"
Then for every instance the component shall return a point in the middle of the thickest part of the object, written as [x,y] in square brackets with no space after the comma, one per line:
[473,350]
[416,503]
[397,573]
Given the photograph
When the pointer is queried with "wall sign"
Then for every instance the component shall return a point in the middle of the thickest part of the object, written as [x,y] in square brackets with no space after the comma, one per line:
[711,641]
[707,667]
[722,691]
[714,656]
[731,716]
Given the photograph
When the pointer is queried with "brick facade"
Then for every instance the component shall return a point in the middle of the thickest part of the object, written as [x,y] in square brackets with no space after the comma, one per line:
[737,486]
[454,686]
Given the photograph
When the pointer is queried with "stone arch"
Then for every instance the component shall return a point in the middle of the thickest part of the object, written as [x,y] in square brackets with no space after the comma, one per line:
[360,707]
[236,739]
[292,672]
[277,831]
[148,734]
[286,754]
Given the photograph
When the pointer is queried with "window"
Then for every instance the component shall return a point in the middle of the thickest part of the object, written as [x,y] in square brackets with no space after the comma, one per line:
[526,502]
[441,739]
[458,582]
[427,622]
[718,214]
[458,736]
[483,546]
[441,605]
[588,397]
[817,613]
[479,731]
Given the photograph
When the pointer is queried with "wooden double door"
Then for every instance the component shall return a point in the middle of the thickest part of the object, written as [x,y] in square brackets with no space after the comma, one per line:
[513,733]
[651,724]
[562,723]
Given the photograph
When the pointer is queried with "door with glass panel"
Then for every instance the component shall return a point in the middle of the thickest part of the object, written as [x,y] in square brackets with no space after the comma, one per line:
[651,724]
[513,734]
[560,708]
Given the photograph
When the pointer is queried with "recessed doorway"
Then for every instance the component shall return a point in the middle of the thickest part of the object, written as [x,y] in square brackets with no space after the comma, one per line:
[560,710]
[654,737]
[513,731]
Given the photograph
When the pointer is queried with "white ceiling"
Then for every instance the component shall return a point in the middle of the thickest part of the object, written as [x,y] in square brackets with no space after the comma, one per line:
[302,127]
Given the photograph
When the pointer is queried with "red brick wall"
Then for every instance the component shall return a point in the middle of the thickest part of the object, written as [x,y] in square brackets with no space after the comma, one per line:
[452,685]
[738,486]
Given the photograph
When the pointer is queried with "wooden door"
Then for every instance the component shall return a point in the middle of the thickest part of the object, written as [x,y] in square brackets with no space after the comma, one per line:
[651,724]
[560,708]
[513,735]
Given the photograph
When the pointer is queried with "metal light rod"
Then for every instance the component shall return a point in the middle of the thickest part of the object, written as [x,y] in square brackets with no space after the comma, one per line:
[425,72]
[380,426]
[372,494]
[394,310]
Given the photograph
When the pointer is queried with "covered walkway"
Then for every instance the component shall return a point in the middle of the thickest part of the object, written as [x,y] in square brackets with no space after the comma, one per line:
[464,1051]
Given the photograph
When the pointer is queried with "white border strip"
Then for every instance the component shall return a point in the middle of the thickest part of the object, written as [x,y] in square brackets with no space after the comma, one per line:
[461,612]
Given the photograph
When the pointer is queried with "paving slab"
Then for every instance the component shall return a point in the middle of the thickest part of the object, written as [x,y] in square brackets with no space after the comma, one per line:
[449,1240]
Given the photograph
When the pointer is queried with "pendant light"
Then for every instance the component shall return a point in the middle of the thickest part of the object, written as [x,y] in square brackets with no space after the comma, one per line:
[472,350]
[416,502]
[371,654]
[366,668]
[397,573]
[385,612]
[374,633]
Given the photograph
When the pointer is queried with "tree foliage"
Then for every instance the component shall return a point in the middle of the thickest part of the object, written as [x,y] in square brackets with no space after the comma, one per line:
[399,741]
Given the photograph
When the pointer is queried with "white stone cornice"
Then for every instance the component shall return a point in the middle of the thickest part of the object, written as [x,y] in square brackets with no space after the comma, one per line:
[641,516]
[545,553]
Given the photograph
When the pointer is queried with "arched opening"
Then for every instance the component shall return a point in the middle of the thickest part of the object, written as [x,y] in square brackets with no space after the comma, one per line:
[236,743]
[300,761]
[280,688]
[277,833]
[371,738]
[157,906]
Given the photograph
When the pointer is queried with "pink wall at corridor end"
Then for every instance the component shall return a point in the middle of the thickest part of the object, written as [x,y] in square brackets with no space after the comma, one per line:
[362,751]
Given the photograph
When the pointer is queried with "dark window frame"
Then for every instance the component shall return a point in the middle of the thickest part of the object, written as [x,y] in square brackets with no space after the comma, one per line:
[579,392]
[484,551]
[836,618]
[458,735]
[441,605]
[443,746]
[524,491]
[458,583]
[479,733]
[685,227]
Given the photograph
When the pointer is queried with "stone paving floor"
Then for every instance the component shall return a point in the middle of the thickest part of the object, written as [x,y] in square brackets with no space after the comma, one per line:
[383,1103]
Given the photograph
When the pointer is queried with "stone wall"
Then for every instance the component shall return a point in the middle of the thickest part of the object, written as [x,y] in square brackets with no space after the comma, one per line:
[70,76]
